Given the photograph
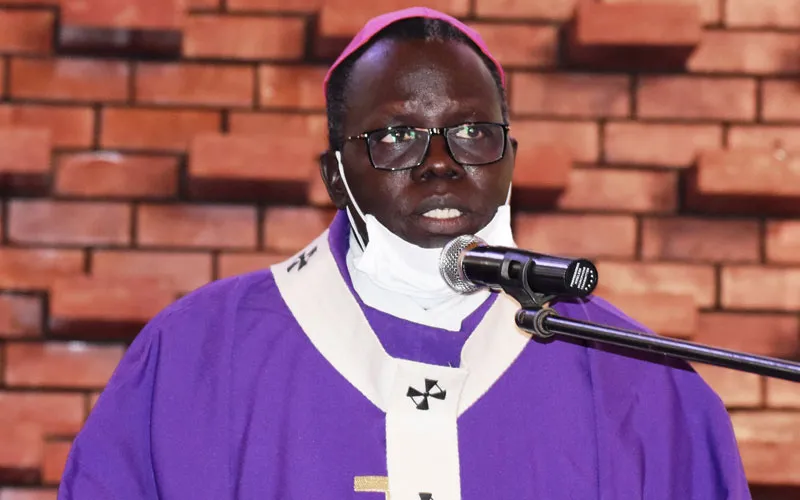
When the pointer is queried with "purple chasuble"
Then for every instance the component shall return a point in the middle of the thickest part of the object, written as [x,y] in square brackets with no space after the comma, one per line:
[223,396]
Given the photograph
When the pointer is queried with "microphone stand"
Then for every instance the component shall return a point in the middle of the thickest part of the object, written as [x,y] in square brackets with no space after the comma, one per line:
[544,323]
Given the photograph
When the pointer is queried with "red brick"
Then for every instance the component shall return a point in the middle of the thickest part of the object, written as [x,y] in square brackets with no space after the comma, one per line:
[626,190]
[115,306]
[252,157]
[20,316]
[783,241]
[754,287]
[637,23]
[695,239]
[59,364]
[339,18]
[54,413]
[158,15]
[573,94]
[697,281]
[665,314]
[281,123]
[690,97]
[22,448]
[760,136]
[771,463]
[28,494]
[70,126]
[781,100]
[234,264]
[289,229]
[36,269]
[26,31]
[520,45]
[115,175]
[25,150]
[562,10]
[668,145]
[291,87]
[69,79]
[557,10]
[709,9]
[782,393]
[185,271]
[760,334]
[763,14]
[757,53]
[32,3]
[197,226]
[767,426]
[541,172]
[68,222]
[580,137]
[632,35]
[251,166]
[203,4]
[737,389]
[586,236]
[745,180]
[155,129]
[55,458]
[278,38]
[194,84]
[304,6]
[314,128]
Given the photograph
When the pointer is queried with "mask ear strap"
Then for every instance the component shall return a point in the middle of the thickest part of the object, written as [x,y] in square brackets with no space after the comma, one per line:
[353,202]
[508,196]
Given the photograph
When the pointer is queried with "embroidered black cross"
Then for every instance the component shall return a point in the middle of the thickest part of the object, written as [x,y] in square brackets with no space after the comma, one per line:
[421,398]
[302,259]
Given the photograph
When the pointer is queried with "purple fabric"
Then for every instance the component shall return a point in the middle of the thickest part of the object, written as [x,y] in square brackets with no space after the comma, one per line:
[222,396]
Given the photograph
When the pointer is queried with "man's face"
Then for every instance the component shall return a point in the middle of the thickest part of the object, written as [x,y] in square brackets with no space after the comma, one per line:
[421,84]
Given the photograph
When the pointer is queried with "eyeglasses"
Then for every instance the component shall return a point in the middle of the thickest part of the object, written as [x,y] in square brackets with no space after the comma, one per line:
[400,148]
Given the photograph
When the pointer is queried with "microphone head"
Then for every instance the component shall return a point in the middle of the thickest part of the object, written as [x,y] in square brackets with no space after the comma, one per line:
[451,265]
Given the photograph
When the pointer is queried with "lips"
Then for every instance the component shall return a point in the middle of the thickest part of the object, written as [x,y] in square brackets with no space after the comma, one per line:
[444,216]
[442,207]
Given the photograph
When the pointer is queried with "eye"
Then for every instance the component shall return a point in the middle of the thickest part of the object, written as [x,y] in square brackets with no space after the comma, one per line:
[471,132]
[399,135]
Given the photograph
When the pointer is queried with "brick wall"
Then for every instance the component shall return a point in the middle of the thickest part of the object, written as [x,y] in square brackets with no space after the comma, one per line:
[148,147]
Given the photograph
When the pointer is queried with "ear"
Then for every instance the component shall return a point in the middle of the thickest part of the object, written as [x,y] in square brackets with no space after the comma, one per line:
[514,145]
[329,169]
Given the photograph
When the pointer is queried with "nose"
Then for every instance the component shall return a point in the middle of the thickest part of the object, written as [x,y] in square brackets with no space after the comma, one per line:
[437,164]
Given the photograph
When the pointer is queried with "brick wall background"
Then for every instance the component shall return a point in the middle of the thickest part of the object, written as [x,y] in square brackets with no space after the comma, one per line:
[150,146]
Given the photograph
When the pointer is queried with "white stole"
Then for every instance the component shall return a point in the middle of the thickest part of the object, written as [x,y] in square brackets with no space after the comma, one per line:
[422,402]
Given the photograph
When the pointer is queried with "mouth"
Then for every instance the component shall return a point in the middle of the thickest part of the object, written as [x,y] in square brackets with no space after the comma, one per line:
[446,218]
[443,213]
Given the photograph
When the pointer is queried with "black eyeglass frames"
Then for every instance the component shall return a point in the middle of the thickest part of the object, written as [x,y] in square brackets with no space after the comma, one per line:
[400,148]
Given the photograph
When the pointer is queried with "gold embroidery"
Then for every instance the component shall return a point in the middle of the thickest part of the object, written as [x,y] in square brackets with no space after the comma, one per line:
[374,484]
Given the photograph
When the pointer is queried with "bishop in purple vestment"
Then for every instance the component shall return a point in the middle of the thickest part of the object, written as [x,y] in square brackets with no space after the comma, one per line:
[351,371]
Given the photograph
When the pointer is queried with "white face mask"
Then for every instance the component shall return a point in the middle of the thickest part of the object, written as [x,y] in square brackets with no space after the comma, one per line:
[394,264]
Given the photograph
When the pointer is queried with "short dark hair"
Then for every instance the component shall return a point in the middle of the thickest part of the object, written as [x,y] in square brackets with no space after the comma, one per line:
[415,28]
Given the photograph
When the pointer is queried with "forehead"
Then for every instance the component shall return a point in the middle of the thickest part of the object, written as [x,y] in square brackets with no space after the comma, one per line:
[430,82]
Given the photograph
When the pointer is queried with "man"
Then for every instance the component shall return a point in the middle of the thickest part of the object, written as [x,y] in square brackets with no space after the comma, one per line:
[353,371]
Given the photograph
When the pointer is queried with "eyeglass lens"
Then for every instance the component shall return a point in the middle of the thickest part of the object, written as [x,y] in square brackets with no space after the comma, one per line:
[405,147]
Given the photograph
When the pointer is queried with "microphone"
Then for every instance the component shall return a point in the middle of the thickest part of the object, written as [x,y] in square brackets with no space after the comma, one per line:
[468,264]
